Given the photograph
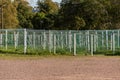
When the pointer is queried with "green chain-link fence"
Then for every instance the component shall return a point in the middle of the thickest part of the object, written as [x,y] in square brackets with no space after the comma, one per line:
[60,41]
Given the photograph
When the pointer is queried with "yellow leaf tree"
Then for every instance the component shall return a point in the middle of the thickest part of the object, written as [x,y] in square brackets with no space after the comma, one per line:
[9,11]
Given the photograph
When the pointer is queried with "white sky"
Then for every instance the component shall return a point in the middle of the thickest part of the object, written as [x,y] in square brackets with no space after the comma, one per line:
[57,1]
[33,2]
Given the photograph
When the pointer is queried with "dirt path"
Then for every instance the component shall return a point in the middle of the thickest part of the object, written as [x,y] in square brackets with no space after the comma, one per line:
[66,68]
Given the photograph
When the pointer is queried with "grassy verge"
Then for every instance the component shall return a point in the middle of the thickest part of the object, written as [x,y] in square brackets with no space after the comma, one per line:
[40,53]
[13,56]
[17,56]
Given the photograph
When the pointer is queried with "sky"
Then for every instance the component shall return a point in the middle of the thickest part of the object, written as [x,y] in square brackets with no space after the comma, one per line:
[33,2]
[57,1]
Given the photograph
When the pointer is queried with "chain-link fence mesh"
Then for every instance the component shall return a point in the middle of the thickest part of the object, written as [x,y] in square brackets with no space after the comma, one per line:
[61,41]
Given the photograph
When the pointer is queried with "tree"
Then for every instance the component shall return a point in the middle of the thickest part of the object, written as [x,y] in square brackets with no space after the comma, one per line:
[44,19]
[25,14]
[47,6]
[38,20]
[9,15]
[69,15]
[94,14]
[114,13]
[91,12]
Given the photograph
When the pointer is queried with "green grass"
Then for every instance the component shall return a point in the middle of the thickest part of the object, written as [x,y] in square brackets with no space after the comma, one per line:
[17,56]
[8,56]
[108,52]
[11,51]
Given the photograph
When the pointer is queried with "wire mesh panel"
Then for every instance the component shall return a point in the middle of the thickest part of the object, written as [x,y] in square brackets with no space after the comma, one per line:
[12,40]
[59,41]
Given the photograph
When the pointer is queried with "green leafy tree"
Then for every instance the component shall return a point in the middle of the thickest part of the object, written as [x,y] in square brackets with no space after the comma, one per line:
[94,14]
[38,20]
[91,14]
[69,16]
[114,13]
[25,14]
[48,6]
[49,9]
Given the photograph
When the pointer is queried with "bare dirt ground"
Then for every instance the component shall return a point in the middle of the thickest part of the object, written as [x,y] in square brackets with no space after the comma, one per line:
[61,68]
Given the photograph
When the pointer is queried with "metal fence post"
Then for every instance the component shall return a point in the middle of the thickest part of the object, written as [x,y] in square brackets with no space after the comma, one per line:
[113,43]
[88,41]
[70,41]
[107,39]
[25,41]
[74,44]
[6,39]
[1,40]
[50,41]
[79,39]
[66,39]
[54,47]
[44,43]
[61,38]
[94,42]
[34,38]
[111,46]
[15,40]
[102,39]
[92,45]
[118,38]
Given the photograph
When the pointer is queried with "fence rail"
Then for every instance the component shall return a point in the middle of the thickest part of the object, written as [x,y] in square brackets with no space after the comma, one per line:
[72,41]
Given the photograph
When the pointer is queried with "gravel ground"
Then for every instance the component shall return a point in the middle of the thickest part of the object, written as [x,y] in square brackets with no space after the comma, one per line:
[61,68]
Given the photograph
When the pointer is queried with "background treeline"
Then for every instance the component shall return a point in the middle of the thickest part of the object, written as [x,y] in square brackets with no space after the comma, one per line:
[69,14]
